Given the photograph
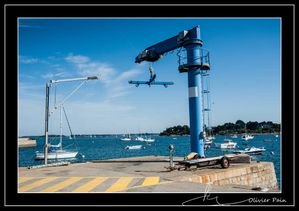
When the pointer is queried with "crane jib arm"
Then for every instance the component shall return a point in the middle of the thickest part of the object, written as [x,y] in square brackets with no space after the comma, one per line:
[184,38]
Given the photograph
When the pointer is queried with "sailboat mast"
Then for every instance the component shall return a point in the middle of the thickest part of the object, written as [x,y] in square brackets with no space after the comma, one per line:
[46,123]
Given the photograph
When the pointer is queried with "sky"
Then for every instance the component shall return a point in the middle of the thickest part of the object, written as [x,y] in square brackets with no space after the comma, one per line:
[244,77]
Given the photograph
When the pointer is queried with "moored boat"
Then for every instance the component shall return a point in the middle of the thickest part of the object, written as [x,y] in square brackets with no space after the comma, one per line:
[58,154]
[251,150]
[247,137]
[227,144]
[133,147]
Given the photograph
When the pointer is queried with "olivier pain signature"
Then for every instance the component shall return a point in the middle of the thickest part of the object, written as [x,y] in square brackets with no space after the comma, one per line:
[207,199]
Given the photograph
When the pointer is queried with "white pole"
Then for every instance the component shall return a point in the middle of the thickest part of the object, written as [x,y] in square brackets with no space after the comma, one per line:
[46,124]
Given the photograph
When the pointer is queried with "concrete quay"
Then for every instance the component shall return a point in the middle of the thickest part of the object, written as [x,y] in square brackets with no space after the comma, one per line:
[147,174]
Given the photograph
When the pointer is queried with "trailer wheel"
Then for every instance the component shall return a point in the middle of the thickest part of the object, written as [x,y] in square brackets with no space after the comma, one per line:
[224,162]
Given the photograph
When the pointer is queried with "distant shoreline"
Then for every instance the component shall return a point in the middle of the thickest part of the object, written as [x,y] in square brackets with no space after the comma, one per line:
[231,134]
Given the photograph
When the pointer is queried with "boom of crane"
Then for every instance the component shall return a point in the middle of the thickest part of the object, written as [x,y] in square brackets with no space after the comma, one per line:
[155,52]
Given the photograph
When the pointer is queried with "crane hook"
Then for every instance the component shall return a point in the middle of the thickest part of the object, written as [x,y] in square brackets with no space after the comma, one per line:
[152,73]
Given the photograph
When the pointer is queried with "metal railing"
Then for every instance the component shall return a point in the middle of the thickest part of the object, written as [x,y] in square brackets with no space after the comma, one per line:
[202,61]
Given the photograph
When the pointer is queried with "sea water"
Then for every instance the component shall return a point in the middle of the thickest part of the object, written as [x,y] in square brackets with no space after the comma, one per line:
[111,146]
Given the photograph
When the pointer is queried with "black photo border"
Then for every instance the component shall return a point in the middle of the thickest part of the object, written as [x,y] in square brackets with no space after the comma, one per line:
[11,13]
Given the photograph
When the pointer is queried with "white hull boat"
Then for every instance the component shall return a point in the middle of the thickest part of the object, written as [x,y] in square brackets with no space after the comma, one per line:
[133,147]
[228,144]
[59,154]
[144,139]
[149,140]
[126,138]
[247,137]
[251,150]
[139,138]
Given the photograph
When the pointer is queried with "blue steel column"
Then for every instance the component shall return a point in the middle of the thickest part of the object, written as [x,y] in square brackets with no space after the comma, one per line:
[195,103]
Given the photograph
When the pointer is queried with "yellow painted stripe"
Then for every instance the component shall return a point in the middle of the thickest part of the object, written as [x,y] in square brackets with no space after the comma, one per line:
[36,184]
[121,184]
[24,179]
[151,181]
[90,185]
[62,184]
[140,186]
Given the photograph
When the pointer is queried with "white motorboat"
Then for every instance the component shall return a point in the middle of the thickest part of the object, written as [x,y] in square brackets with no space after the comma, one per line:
[139,138]
[149,140]
[133,147]
[251,150]
[247,137]
[227,144]
[234,136]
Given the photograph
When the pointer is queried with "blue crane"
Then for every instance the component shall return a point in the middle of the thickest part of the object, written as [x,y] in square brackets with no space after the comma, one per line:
[197,63]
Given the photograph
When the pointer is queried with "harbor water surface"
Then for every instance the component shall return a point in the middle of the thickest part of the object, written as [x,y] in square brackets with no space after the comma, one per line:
[100,147]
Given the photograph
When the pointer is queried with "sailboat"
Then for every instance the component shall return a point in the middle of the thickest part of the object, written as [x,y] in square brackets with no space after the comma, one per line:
[126,138]
[206,103]
[56,151]
[247,136]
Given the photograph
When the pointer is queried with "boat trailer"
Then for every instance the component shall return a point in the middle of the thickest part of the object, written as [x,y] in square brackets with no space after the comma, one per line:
[202,162]
[223,161]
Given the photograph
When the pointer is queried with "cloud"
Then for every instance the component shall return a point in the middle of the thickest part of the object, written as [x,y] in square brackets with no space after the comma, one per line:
[127,75]
[77,59]
[27,60]
[53,75]
[114,81]
[100,112]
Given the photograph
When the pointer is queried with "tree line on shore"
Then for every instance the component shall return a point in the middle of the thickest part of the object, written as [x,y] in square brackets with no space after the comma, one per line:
[239,127]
